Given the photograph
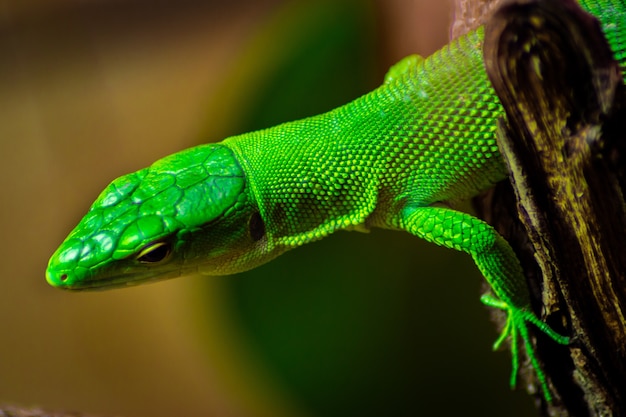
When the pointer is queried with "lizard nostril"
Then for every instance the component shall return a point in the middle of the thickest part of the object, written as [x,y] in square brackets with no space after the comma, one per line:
[63,277]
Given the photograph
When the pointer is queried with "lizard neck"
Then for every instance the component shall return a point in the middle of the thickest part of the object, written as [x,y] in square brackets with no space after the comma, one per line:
[427,135]
[314,176]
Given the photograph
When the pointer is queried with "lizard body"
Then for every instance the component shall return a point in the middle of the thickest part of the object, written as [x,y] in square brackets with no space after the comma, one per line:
[398,157]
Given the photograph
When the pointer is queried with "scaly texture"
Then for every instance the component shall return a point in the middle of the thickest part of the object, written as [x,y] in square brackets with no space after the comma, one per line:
[395,158]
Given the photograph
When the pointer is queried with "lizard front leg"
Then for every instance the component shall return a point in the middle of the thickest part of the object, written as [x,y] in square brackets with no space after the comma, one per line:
[500,266]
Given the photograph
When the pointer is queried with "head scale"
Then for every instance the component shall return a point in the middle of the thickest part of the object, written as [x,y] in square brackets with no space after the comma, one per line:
[187,211]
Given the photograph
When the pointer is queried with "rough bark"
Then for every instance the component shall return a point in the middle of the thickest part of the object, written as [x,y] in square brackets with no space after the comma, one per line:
[563,142]
[470,14]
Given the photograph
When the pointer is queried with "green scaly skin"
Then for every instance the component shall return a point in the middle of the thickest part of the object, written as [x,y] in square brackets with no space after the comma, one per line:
[395,158]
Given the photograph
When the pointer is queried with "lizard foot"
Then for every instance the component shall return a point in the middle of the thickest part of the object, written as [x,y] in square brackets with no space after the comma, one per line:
[517,325]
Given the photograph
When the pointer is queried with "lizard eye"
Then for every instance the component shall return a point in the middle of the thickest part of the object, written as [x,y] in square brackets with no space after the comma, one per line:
[155,252]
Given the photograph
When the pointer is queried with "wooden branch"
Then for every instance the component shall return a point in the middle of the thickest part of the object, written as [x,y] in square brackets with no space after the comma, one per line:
[563,142]
[470,14]
[13,411]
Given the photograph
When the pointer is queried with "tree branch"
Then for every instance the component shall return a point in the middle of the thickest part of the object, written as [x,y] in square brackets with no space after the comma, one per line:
[564,98]
[12,411]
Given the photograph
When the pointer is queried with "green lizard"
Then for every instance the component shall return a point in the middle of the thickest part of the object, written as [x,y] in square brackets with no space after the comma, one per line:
[396,158]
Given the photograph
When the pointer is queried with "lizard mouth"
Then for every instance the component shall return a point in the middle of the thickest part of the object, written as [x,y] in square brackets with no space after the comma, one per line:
[114,279]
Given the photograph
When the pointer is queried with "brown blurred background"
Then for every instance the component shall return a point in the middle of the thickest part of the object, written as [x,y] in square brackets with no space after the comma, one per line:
[353,326]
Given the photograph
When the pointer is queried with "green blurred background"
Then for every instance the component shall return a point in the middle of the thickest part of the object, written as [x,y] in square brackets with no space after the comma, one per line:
[378,324]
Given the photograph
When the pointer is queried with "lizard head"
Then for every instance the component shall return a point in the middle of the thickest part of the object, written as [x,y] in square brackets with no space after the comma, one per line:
[189,212]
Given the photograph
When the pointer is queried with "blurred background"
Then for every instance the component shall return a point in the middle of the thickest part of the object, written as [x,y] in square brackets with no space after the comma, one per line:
[378,324]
